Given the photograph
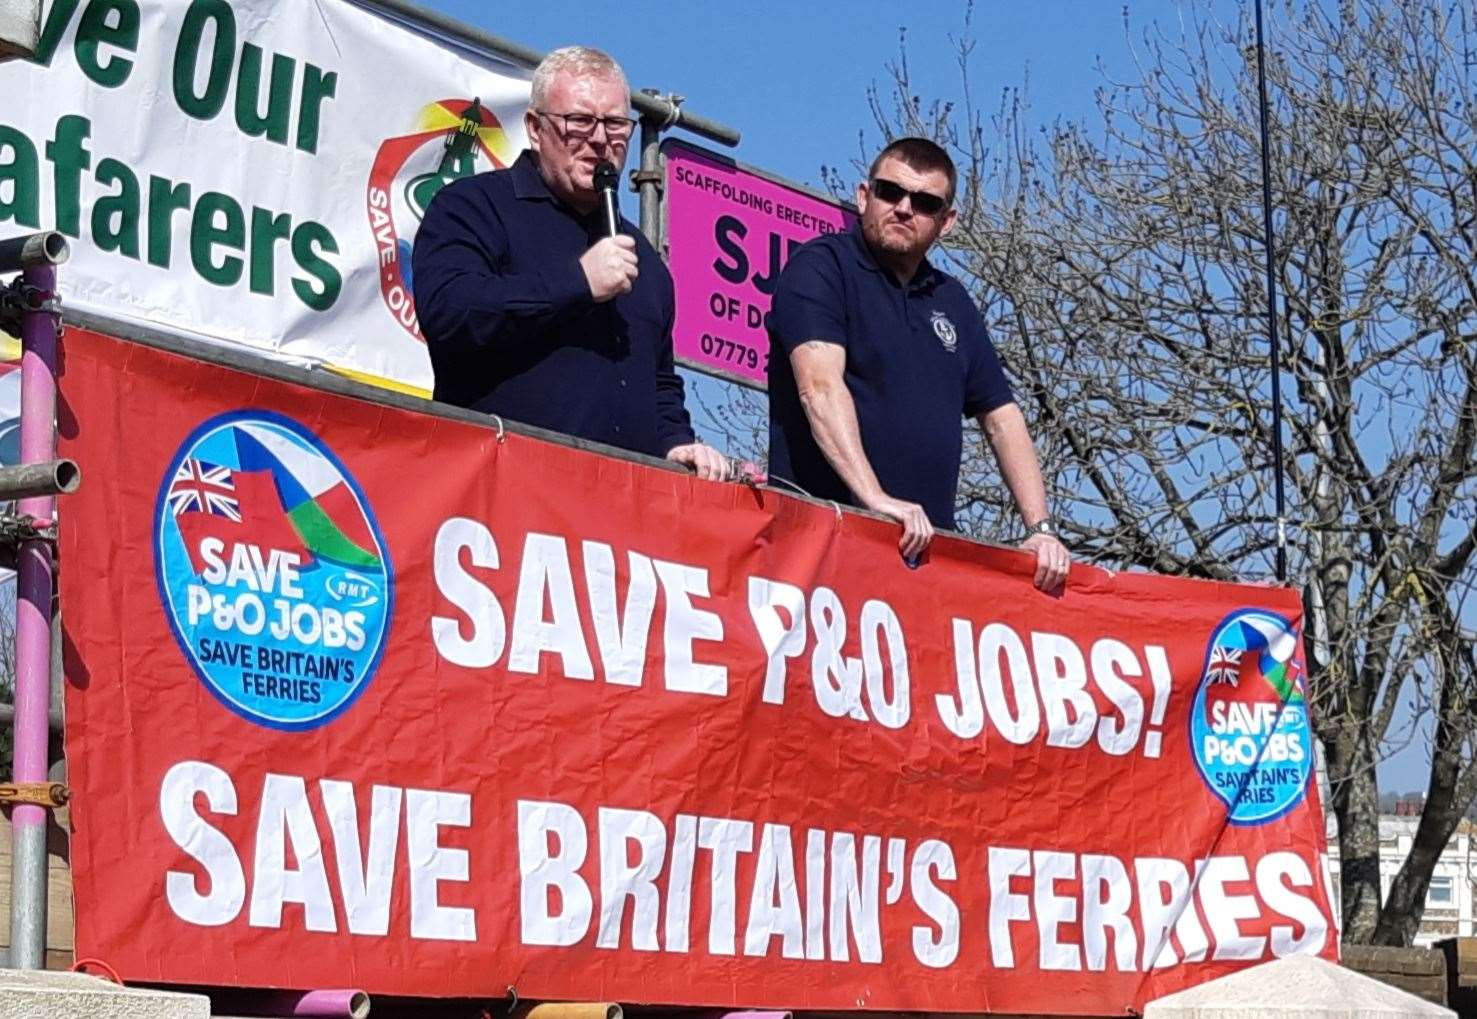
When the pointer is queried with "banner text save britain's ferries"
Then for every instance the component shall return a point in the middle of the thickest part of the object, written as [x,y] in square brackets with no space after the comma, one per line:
[406,693]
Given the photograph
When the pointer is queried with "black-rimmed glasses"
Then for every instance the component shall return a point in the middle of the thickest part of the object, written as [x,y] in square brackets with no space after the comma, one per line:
[582,125]
[924,202]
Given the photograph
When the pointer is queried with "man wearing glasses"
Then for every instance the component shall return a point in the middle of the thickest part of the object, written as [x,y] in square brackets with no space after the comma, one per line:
[878,357]
[529,309]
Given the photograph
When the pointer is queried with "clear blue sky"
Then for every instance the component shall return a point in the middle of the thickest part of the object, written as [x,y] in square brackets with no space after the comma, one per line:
[793,77]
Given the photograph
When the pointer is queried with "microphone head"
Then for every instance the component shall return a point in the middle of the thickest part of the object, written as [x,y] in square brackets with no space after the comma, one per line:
[606,176]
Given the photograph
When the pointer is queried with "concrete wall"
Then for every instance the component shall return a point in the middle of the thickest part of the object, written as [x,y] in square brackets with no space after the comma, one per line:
[1420,971]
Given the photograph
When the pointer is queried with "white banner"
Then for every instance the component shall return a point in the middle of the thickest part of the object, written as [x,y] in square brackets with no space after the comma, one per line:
[252,171]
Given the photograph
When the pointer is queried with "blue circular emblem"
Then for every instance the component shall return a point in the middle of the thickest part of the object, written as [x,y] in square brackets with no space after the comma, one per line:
[272,570]
[1249,730]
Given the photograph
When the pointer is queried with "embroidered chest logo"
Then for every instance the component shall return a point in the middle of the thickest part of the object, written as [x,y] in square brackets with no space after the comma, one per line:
[944,330]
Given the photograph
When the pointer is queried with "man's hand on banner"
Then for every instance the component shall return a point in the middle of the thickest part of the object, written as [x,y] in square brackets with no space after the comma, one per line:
[1052,561]
[917,530]
[709,464]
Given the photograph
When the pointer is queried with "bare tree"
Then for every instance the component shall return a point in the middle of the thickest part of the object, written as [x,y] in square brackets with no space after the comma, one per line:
[731,416]
[7,666]
[1120,265]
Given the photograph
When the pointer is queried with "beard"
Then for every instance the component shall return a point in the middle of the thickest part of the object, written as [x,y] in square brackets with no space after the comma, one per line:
[892,242]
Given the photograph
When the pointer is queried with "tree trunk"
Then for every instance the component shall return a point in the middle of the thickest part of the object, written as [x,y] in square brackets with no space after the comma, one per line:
[1446,798]
[1401,917]
[1356,803]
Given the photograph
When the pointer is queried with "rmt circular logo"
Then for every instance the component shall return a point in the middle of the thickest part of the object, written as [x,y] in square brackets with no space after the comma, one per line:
[274,575]
[1249,723]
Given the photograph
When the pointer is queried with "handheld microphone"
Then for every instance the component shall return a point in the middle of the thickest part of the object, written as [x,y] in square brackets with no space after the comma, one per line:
[606,179]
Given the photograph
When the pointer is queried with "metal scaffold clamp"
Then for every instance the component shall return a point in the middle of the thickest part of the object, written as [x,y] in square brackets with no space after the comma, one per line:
[649,173]
[50,795]
[36,299]
[20,299]
[16,528]
[23,481]
[673,103]
[27,298]
[643,177]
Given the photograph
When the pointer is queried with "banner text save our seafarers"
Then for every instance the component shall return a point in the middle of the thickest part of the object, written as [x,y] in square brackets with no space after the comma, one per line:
[262,94]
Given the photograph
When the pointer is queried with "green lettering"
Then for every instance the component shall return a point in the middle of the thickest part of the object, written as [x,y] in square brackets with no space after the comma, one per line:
[279,95]
[266,231]
[57,20]
[95,31]
[317,88]
[165,199]
[206,233]
[115,217]
[68,159]
[304,240]
[20,171]
[206,104]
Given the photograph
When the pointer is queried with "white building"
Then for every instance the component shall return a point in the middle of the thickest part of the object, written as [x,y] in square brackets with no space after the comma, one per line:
[1449,900]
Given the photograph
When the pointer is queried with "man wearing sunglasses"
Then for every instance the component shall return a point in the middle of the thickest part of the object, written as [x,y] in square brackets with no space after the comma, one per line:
[878,357]
[529,309]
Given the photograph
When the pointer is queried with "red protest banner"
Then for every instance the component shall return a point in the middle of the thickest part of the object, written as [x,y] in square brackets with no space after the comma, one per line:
[359,695]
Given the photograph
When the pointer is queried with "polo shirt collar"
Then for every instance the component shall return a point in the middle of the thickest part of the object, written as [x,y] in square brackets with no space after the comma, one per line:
[527,181]
[529,185]
[924,277]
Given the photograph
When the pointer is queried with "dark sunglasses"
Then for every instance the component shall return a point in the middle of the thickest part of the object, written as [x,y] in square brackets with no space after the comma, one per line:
[924,202]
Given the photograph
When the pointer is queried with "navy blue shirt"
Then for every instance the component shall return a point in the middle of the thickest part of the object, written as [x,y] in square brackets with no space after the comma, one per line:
[918,361]
[513,329]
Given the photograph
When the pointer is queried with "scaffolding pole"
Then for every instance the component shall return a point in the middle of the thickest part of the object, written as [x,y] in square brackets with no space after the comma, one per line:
[37,257]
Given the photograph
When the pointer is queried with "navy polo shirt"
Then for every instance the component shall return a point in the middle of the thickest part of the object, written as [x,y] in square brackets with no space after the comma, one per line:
[918,361]
[513,330]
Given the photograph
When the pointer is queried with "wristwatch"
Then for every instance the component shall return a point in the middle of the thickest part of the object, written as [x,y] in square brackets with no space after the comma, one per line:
[1046,525]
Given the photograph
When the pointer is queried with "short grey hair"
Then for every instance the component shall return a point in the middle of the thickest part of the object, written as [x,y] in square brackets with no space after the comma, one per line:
[582,60]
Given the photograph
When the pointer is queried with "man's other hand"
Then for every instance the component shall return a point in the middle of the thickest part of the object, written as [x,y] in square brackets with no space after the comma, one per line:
[917,531]
[610,267]
[1052,560]
[709,464]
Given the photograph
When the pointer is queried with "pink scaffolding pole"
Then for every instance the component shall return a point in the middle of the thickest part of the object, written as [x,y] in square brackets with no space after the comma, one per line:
[37,257]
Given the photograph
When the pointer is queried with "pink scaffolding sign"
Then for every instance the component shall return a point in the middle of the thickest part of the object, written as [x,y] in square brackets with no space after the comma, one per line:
[729,231]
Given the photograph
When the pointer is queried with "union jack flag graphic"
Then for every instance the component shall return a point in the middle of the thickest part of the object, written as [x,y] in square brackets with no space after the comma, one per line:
[200,487]
[1224,666]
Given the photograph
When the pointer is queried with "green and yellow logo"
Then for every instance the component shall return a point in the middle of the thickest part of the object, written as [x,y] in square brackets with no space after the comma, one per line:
[454,138]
